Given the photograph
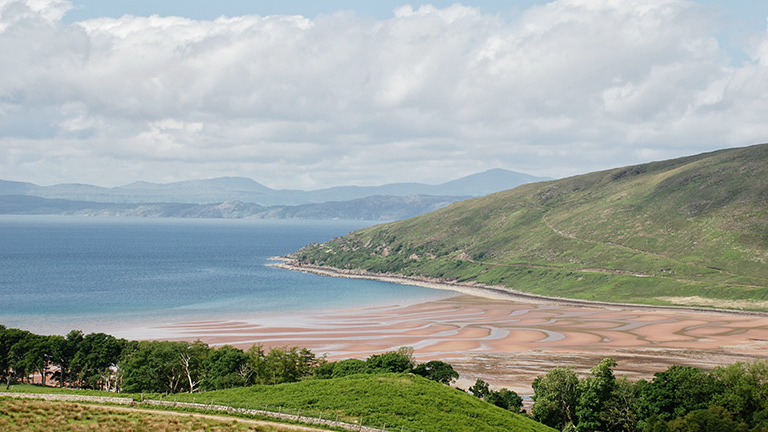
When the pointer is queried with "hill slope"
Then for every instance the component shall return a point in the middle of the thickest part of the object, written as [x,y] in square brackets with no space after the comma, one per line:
[657,233]
[401,400]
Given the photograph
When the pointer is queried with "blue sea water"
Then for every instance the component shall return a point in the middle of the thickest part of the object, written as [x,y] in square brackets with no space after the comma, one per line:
[60,273]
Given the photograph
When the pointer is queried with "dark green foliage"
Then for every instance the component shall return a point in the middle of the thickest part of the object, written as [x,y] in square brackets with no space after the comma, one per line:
[594,394]
[677,391]
[226,367]
[437,370]
[480,389]
[555,397]
[155,366]
[391,361]
[505,398]
[340,368]
[97,355]
[11,360]
[712,419]
[680,399]
[743,391]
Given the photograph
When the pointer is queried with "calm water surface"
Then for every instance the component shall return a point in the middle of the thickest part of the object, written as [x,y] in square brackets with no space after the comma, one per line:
[59,273]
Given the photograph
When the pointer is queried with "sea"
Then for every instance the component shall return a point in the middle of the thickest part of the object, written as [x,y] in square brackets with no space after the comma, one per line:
[62,273]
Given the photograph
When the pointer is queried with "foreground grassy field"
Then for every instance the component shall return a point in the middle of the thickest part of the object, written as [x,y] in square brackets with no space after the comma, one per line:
[25,415]
[689,231]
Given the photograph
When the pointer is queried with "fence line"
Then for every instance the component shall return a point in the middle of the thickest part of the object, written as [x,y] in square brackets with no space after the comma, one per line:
[216,406]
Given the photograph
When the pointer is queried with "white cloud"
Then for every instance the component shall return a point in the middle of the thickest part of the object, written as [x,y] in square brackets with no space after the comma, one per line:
[427,95]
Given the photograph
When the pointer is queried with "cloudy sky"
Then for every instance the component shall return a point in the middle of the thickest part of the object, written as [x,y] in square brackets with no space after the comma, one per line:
[307,94]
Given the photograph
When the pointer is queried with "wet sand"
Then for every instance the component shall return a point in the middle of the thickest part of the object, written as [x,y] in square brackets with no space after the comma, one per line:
[507,343]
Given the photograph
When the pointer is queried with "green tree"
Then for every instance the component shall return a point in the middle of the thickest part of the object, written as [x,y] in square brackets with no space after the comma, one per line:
[480,389]
[676,392]
[193,361]
[227,367]
[282,365]
[436,370]
[258,361]
[97,357]
[8,357]
[339,369]
[36,354]
[63,350]
[348,367]
[155,366]
[712,419]
[594,393]
[620,411]
[555,396]
[744,391]
[505,398]
[391,361]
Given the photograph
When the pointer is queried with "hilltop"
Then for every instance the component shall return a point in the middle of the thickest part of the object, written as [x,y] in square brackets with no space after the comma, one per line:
[688,231]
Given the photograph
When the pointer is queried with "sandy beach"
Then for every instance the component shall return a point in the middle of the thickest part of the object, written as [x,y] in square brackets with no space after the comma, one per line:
[505,341]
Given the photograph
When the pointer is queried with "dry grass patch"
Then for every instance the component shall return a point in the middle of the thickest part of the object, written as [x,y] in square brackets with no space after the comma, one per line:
[25,415]
[716,303]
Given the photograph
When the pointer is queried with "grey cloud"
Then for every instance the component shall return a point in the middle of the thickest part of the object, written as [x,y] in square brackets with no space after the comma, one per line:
[427,95]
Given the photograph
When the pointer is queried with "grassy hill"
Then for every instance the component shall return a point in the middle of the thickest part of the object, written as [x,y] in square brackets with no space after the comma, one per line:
[406,401]
[690,231]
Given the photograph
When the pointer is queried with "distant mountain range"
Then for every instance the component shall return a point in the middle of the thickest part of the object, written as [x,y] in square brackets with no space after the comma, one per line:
[237,197]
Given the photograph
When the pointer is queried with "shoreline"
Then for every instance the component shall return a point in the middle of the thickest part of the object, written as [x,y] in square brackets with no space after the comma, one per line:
[494,292]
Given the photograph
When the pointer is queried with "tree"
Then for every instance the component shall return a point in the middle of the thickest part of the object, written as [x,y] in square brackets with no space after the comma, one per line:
[712,419]
[225,367]
[192,361]
[594,393]
[480,389]
[97,355]
[258,363]
[342,368]
[391,361]
[743,391]
[436,370]
[348,367]
[555,396]
[11,360]
[63,350]
[676,392]
[620,411]
[505,398]
[282,364]
[155,366]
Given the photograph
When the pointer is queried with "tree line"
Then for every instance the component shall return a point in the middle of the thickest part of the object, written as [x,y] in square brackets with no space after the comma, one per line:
[103,362]
[731,398]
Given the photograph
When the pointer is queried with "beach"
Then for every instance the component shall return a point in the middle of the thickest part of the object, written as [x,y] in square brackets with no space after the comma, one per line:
[506,341]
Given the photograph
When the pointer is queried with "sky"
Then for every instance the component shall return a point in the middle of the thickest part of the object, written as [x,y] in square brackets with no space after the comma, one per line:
[308,94]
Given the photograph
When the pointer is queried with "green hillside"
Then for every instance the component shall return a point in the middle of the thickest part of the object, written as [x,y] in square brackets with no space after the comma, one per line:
[404,401]
[690,231]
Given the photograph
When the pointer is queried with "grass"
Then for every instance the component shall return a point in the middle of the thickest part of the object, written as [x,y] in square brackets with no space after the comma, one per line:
[403,401]
[689,227]
[24,415]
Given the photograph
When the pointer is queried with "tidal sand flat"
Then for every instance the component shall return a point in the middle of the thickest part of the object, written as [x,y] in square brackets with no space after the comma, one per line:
[504,342]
